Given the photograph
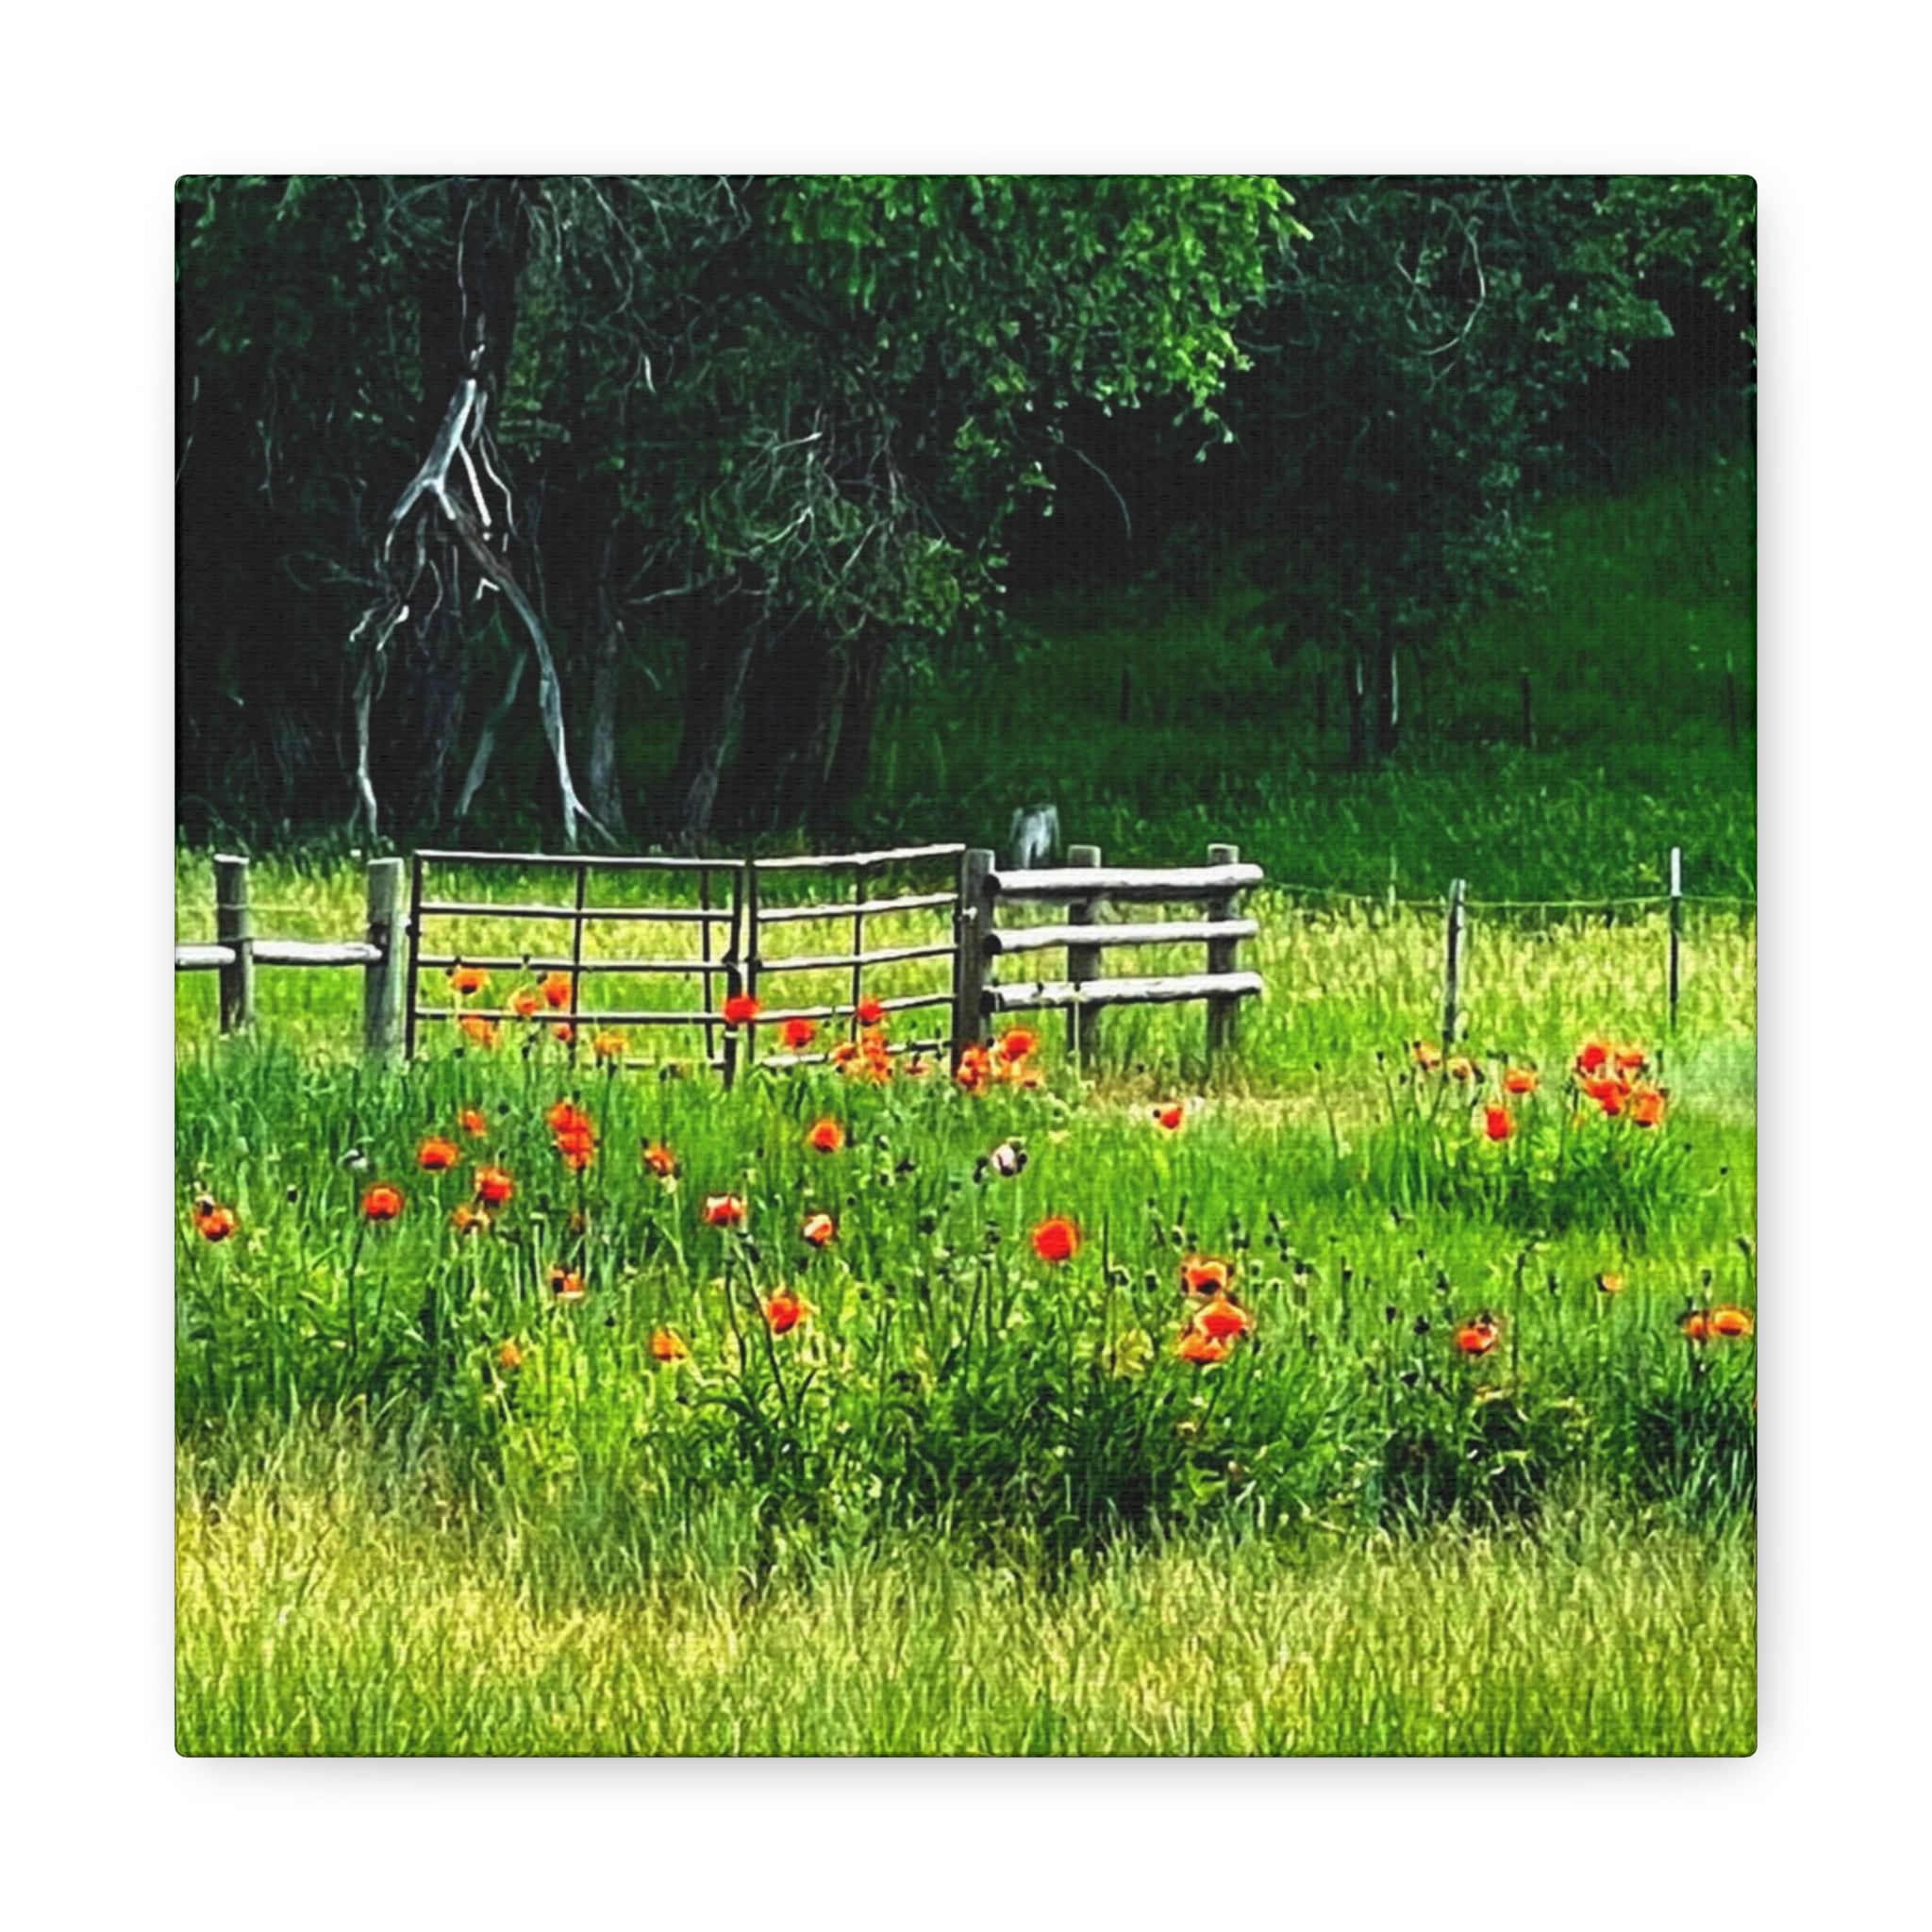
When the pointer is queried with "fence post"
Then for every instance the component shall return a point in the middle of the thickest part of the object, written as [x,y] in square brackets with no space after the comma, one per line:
[234,928]
[1083,963]
[972,923]
[1452,976]
[1223,1014]
[733,963]
[382,978]
[1676,927]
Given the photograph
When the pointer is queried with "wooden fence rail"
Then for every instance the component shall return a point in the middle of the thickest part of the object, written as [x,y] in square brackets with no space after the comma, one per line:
[1086,887]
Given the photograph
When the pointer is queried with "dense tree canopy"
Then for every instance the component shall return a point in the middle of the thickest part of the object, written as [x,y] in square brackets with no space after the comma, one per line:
[440,435]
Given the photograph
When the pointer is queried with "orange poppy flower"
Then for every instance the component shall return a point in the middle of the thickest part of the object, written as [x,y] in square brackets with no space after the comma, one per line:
[1170,1116]
[382,1202]
[472,1122]
[555,987]
[1195,1345]
[565,1115]
[437,1156]
[798,1034]
[1498,1123]
[564,1034]
[1017,1043]
[1478,1335]
[1696,1325]
[819,1229]
[976,1068]
[660,1160]
[526,1000]
[827,1137]
[1591,1056]
[510,1358]
[479,1029]
[494,1186]
[1631,1060]
[577,1147]
[565,1285]
[845,1053]
[784,1311]
[611,1046]
[740,1010]
[214,1222]
[1220,1320]
[869,1011]
[1424,1055]
[722,1211]
[1611,1284]
[1730,1321]
[1201,1274]
[1056,1239]
[1519,1080]
[1608,1094]
[1647,1106]
[1463,1068]
[668,1346]
[468,980]
[467,1220]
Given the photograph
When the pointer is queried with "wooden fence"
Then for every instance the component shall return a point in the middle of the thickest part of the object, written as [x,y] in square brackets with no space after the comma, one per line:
[1086,888]
[237,952]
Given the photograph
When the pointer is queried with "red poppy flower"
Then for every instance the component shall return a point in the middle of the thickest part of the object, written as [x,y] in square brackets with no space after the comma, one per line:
[667,1347]
[1222,1320]
[564,1034]
[1195,1345]
[214,1222]
[1519,1080]
[472,1122]
[1608,1094]
[798,1034]
[1631,1060]
[660,1160]
[1201,1274]
[784,1311]
[827,1137]
[722,1211]
[819,1229]
[494,1186]
[976,1068]
[555,987]
[382,1202]
[437,1156]
[479,1029]
[1497,1122]
[870,1012]
[1017,1043]
[1591,1056]
[468,980]
[577,1147]
[1056,1239]
[1170,1116]
[740,1010]
[1478,1335]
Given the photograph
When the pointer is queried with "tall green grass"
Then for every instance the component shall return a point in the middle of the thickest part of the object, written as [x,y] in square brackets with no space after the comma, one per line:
[328,1602]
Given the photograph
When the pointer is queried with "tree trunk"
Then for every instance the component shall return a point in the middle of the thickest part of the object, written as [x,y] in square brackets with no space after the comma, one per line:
[601,782]
[425,705]
[718,655]
[852,756]
[1357,714]
[793,704]
[1388,696]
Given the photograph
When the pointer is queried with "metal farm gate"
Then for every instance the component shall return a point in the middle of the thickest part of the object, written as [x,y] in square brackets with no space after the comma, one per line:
[627,943]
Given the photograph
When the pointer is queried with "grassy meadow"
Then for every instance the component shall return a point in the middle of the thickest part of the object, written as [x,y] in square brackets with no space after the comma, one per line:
[1353,1396]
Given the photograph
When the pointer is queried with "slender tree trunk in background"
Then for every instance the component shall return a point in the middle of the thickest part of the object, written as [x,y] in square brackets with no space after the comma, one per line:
[794,703]
[1357,715]
[603,787]
[720,651]
[852,756]
[1388,696]
[425,708]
